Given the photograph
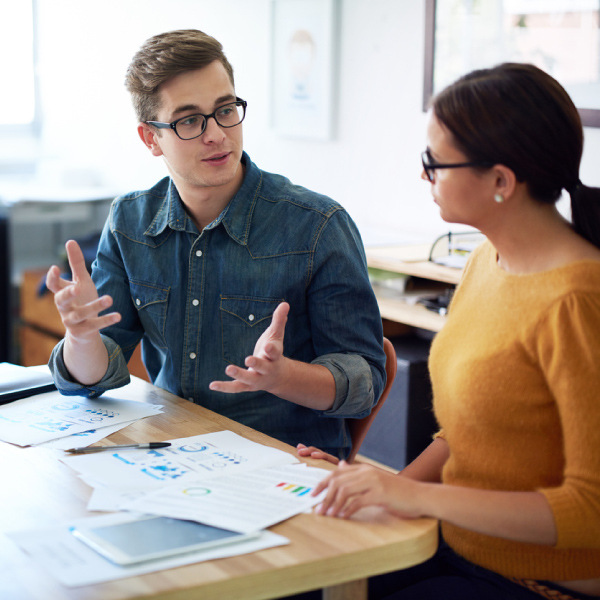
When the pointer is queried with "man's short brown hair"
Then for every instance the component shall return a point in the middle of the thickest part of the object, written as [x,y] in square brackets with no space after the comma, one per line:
[162,57]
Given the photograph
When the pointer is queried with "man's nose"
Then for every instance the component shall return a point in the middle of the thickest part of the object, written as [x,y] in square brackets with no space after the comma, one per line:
[213,132]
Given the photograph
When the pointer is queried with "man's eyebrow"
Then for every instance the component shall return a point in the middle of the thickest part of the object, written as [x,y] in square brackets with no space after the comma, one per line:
[224,99]
[186,108]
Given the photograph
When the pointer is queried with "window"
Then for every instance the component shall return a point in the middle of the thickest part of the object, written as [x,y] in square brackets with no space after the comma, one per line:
[18,106]
[562,37]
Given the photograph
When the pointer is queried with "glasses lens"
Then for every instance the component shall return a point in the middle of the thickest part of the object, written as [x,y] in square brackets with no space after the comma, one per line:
[190,127]
[230,115]
[426,161]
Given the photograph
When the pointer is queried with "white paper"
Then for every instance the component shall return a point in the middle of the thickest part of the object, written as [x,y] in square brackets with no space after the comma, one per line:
[49,416]
[242,502]
[106,499]
[85,438]
[187,459]
[74,564]
[15,377]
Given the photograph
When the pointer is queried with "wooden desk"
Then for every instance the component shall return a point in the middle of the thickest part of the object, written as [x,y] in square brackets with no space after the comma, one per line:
[324,552]
[410,260]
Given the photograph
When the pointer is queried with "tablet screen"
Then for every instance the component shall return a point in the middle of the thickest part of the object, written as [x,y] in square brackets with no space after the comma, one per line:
[150,538]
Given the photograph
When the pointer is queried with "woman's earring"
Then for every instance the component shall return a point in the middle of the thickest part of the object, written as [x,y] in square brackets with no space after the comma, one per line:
[499,198]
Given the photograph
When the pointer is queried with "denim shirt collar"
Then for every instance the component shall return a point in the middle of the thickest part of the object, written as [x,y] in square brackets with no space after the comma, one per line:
[236,216]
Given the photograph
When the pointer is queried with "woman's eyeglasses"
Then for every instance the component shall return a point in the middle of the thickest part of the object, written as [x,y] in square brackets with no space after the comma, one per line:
[429,165]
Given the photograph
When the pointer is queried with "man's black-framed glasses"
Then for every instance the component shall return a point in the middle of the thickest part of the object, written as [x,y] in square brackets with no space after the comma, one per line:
[429,165]
[193,126]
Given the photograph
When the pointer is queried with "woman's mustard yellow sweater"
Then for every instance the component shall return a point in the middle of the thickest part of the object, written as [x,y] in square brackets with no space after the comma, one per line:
[516,384]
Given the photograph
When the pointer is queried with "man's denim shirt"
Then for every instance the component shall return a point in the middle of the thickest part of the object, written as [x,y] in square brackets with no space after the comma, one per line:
[199,301]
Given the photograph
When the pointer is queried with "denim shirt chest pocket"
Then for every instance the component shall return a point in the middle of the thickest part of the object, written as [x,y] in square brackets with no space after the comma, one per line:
[243,321]
[151,302]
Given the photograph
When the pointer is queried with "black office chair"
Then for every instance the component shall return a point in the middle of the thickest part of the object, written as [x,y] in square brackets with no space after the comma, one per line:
[5,291]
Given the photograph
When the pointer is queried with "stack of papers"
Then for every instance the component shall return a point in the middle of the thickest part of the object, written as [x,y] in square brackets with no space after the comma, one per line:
[219,479]
[57,421]
[71,421]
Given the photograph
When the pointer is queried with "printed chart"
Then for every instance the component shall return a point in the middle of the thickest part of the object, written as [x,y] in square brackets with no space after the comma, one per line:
[187,459]
[246,501]
[49,416]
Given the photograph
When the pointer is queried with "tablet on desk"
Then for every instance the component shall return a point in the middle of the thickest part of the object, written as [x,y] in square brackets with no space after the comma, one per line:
[25,392]
[150,538]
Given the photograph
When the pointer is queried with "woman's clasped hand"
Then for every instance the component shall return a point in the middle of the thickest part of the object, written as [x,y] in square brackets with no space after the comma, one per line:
[354,486]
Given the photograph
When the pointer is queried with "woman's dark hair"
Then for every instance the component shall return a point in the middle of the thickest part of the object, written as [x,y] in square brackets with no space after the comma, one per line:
[519,116]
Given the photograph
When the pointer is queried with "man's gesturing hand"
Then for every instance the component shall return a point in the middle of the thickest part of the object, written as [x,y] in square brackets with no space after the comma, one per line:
[77,301]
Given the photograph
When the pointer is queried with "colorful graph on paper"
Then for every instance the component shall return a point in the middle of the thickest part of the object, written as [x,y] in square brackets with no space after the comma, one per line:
[243,500]
[294,488]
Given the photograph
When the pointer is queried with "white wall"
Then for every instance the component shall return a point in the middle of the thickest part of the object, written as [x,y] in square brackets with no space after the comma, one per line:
[371,168]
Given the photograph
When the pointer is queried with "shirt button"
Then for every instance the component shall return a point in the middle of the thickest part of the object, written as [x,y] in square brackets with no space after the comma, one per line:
[192,355]
[251,318]
[137,301]
[198,253]
[195,302]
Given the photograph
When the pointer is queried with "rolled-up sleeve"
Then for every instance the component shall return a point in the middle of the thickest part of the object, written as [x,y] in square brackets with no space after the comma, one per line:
[116,374]
[354,394]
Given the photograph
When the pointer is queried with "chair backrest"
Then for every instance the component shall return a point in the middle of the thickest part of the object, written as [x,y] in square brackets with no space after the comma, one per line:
[360,427]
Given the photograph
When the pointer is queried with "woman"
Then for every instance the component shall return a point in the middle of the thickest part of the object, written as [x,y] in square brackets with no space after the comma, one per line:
[514,474]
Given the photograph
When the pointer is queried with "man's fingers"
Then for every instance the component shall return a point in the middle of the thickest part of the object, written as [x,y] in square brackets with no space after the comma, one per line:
[66,300]
[73,315]
[83,329]
[279,320]
[228,387]
[54,282]
[76,260]
[258,365]
[247,377]
[98,323]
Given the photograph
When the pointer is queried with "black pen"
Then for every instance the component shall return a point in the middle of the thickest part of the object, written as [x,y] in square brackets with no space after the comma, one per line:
[91,449]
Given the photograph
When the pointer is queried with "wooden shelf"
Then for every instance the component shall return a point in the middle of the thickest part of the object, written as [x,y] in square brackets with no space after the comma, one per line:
[409,260]
[414,315]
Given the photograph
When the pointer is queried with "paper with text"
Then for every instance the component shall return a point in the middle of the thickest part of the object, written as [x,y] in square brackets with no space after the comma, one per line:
[73,563]
[49,416]
[85,438]
[187,459]
[243,502]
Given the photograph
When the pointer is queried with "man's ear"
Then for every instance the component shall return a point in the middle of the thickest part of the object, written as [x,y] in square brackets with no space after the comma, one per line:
[149,136]
[505,181]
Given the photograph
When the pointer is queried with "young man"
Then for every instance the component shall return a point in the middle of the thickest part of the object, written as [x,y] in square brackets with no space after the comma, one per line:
[211,266]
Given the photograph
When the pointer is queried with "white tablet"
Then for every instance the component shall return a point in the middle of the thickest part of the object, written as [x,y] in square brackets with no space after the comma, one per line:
[150,538]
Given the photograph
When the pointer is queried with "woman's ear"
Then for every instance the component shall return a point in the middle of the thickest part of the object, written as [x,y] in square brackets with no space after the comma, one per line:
[505,181]
[149,136]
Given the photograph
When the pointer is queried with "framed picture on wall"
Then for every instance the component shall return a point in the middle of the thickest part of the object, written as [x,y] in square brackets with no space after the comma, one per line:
[304,43]
[562,37]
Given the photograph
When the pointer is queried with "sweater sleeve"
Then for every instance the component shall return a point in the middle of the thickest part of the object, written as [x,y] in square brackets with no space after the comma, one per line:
[569,348]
